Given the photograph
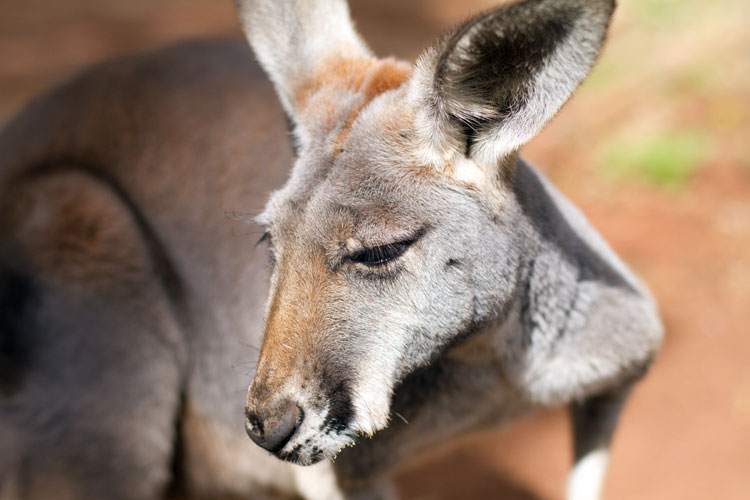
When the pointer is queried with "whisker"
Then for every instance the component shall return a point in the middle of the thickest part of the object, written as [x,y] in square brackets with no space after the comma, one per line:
[247,366]
[248,344]
[236,234]
[401,417]
[239,215]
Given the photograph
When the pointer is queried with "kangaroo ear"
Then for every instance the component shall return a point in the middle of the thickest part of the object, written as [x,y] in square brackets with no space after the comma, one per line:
[297,41]
[318,63]
[494,83]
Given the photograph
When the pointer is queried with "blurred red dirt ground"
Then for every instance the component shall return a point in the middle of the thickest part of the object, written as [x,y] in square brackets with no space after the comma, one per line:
[670,66]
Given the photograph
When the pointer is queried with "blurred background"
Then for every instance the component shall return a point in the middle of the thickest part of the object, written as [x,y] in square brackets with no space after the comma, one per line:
[655,148]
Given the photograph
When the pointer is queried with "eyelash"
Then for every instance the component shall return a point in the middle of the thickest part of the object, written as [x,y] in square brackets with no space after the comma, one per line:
[380,255]
[266,237]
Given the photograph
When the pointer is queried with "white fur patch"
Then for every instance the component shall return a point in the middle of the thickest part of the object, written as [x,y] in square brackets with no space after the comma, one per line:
[372,397]
[586,480]
[317,482]
[467,170]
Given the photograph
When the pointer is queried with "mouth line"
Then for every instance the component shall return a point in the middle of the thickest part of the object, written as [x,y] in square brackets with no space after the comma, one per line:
[307,453]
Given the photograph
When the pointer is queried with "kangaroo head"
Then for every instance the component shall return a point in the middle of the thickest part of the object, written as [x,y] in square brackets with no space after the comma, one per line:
[395,234]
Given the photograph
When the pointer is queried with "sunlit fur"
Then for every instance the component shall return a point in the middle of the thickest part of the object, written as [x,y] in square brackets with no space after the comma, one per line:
[496,249]
[424,280]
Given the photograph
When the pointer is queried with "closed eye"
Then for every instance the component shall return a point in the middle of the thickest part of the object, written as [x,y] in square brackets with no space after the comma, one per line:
[380,255]
[266,237]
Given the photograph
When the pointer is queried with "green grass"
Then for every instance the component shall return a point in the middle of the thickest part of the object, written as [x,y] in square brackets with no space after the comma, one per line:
[666,161]
[665,13]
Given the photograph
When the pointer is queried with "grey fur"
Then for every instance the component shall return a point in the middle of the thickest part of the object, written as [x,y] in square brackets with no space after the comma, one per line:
[503,298]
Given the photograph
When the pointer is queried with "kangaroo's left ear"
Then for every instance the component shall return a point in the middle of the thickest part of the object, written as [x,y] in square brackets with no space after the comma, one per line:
[494,83]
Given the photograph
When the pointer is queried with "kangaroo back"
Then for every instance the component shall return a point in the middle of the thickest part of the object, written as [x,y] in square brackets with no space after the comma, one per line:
[130,294]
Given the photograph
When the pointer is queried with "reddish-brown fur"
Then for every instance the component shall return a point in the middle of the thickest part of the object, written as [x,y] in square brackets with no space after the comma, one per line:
[366,76]
[296,312]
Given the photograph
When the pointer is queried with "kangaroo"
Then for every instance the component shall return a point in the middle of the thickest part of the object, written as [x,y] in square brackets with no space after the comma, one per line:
[419,268]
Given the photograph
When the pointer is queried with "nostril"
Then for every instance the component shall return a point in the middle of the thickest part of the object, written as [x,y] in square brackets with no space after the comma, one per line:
[273,428]
[253,426]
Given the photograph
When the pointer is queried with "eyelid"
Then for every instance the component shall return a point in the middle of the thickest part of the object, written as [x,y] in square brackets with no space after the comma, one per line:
[365,242]
[380,255]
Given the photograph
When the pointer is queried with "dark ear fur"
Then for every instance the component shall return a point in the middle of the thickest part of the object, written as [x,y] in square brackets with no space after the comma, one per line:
[501,76]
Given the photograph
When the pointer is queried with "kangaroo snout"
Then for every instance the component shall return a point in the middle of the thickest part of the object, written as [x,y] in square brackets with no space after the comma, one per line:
[271,426]
[299,424]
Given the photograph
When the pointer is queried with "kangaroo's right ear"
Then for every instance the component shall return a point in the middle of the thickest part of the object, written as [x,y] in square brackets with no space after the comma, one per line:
[494,83]
[314,57]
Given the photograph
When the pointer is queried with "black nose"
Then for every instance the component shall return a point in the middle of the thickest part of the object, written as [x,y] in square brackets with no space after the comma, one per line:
[271,429]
